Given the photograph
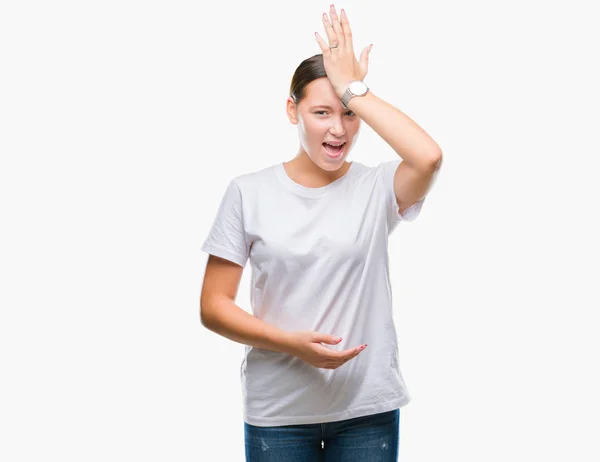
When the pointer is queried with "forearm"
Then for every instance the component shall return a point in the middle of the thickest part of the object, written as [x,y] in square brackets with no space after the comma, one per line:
[403,134]
[225,318]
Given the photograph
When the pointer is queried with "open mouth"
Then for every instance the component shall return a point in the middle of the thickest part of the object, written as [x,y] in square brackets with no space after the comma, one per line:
[334,151]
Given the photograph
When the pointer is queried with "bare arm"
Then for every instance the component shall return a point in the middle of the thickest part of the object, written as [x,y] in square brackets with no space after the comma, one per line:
[220,314]
[231,321]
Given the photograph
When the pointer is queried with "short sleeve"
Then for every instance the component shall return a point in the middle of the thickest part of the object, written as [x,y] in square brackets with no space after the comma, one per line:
[387,170]
[227,238]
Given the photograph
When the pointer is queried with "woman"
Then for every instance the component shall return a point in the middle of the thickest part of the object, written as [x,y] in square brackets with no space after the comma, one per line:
[315,230]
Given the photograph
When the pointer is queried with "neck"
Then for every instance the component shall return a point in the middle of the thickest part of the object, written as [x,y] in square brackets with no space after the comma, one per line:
[305,172]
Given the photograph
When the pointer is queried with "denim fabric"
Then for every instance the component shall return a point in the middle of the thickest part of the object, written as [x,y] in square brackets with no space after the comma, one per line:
[369,438]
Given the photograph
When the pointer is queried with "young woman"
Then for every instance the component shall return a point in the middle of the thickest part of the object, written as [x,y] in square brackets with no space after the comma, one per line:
[315,230]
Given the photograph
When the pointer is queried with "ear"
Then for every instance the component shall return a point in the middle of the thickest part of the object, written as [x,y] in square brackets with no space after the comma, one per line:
[291,109]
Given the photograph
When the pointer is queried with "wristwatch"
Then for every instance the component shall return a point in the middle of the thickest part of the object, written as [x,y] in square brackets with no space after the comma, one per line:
[355,88]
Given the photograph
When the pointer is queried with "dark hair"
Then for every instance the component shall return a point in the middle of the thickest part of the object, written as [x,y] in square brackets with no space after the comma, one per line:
[310,69]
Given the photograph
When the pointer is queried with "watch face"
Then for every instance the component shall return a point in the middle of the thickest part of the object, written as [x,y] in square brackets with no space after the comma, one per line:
[358,88]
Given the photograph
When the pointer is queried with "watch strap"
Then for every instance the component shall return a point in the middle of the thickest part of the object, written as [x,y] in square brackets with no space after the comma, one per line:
[348,95]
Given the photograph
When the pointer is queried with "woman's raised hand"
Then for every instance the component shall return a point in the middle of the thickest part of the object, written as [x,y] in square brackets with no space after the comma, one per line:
[339,60]
[306,345]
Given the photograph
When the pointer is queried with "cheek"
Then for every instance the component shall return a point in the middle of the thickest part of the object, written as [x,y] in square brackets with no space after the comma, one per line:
[352,129]
[316,128]
[354,125]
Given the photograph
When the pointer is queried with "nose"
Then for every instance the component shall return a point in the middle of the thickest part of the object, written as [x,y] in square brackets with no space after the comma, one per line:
[337,129]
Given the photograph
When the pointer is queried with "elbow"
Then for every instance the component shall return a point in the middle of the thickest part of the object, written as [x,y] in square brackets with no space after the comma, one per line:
[435,159]
[203,321]
[205,313]
[428,163]
[210,312]
[206,321]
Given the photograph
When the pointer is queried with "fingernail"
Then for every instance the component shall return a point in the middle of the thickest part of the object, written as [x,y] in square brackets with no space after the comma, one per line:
[343,13]
[338,340]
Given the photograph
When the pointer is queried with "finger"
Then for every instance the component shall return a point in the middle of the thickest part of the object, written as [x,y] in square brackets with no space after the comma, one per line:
[346,354]
[346,30]
[337,26]
[357,351]
[331,35]
[322,44]
[353,355]
[336,356]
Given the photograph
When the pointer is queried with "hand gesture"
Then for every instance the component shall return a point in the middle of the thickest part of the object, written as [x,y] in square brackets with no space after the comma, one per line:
[306,345]
[339,61]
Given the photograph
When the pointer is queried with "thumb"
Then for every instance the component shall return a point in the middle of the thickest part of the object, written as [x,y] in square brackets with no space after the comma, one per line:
[329,339]
[364,59]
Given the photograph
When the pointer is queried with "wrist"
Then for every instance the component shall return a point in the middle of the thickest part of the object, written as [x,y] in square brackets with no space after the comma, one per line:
[283,341]
[341,88]
[355,88]
[340,91]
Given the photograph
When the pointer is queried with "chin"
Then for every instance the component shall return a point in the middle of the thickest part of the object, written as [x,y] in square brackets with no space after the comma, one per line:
[334,164]
[327,163]
[331,165]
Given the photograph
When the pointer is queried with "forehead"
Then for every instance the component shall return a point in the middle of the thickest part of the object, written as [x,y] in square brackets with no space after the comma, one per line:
[320,93]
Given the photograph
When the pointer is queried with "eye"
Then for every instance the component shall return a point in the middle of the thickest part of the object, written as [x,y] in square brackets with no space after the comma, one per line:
[349,113]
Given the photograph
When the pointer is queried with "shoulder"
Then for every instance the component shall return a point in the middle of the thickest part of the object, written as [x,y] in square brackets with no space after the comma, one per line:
[251,182]
[376,168]
[374,172]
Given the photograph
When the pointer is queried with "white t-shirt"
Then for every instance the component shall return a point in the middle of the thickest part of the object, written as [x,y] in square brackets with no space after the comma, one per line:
[319,260]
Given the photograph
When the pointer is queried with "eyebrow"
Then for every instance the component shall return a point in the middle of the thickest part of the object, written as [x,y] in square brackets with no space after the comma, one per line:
[323,106]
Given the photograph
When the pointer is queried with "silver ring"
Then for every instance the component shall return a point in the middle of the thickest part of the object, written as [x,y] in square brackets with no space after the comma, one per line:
[334,46]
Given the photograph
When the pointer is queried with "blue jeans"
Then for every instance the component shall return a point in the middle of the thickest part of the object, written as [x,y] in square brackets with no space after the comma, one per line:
[369,438]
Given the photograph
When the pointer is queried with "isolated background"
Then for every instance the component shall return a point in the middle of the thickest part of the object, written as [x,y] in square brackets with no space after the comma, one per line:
[121,123]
